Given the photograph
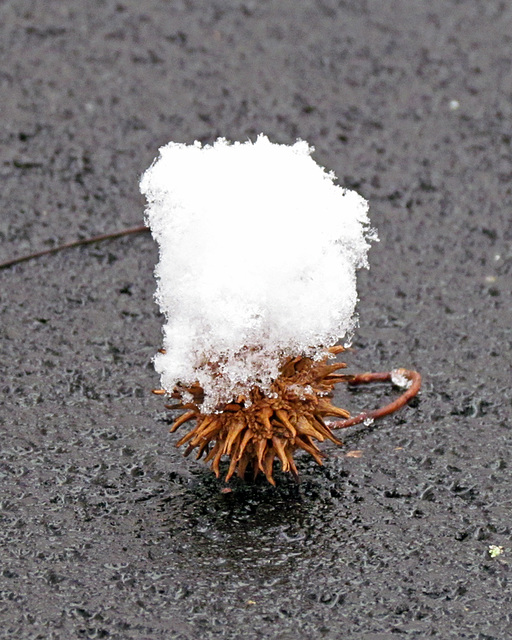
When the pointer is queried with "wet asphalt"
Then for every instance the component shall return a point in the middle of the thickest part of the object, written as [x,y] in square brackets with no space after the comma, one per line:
[106,530]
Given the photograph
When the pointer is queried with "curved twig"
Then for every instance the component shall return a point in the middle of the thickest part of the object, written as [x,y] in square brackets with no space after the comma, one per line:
[364,378]
[76,243]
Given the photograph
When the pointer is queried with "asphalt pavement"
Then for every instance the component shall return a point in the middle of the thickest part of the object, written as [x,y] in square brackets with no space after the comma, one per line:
[106,530]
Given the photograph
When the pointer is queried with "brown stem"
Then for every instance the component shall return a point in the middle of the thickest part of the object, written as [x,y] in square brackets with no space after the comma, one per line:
[365,378]
[76,243]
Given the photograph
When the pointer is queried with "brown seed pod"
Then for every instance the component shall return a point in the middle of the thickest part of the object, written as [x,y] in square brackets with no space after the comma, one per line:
[256,430]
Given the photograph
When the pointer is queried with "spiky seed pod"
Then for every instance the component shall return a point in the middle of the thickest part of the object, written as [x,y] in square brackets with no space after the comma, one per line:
[253,431]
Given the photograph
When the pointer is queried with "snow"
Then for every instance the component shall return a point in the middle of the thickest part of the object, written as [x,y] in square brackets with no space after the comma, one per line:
[258,256]
[399,379]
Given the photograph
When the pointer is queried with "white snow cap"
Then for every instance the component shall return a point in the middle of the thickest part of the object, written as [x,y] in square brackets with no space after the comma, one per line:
[258,253]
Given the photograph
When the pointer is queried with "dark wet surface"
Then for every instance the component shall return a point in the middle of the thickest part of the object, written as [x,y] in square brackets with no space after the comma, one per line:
[107,532]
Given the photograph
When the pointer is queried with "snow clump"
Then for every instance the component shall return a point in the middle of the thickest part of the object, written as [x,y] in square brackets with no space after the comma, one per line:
[258,254]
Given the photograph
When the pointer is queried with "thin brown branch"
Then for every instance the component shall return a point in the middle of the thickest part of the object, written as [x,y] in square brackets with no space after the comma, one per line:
[76,243]
[365,378]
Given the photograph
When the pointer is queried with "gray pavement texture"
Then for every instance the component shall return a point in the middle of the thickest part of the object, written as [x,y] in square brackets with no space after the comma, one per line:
[106,530]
